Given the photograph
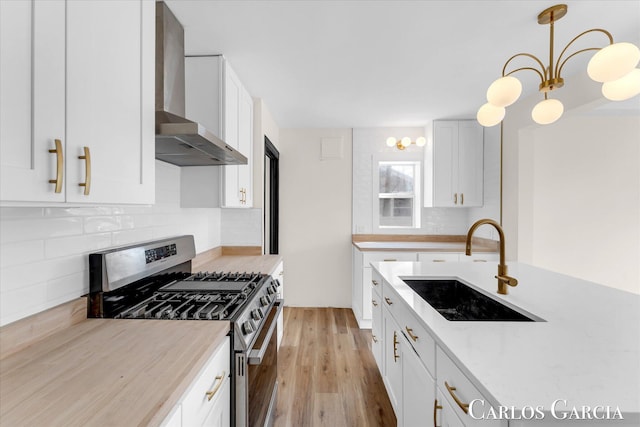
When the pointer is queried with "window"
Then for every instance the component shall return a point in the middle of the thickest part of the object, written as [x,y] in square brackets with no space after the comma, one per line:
[398,195]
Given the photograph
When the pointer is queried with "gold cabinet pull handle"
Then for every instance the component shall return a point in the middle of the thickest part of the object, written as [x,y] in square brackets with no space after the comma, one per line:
[396,356]
[439,260]
[375,304]
[389,259]
[435,412]
[410,332]
[59,166]
[455,198]
[374,338]
[462,198]
[375,282]
[479,260]
[463,406]
[388,300]
[220,380]
[87,171]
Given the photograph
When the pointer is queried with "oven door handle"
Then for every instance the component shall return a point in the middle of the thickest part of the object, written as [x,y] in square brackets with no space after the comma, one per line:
[256,355]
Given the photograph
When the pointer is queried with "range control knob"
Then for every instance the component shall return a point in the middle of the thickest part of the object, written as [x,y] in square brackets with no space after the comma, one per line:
[248,327]
[264,301]
[271,290]
[256,314]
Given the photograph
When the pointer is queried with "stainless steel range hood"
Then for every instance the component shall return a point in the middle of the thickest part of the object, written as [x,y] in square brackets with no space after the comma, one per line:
[180,141]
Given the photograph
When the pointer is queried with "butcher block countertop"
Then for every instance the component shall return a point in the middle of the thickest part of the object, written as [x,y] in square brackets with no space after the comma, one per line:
[104,372]
[420,243]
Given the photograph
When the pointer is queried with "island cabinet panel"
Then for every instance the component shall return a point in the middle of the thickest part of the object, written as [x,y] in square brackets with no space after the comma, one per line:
[444,415]
[77,122]
[392,362]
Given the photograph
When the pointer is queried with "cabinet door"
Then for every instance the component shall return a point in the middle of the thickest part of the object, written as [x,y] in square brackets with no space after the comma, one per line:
[245,146]
[445,159]
[110,101]
[32,105]
[392,362]
[470,163]
[445,416]
[231,195]
[366,294]
[418,388]
[203,91]
[377,338]
[220,415]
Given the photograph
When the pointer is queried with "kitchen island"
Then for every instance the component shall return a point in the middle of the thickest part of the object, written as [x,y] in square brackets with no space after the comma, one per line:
[584,351]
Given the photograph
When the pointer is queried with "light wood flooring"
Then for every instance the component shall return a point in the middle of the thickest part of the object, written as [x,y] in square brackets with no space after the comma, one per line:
[327,374]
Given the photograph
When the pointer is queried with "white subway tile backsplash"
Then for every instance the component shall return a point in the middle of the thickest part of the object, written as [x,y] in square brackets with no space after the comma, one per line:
[19,253]
[101,224]
[78,211]
[51,244]
[9,212]
[16,230]
[120,238]
[86,243]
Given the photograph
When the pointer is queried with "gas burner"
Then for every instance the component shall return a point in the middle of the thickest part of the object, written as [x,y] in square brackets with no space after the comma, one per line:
[224,277]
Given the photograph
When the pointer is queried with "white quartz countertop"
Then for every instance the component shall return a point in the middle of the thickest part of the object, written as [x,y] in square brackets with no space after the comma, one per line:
[587,351]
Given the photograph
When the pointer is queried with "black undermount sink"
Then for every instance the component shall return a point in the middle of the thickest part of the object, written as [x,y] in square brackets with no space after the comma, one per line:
[458,302]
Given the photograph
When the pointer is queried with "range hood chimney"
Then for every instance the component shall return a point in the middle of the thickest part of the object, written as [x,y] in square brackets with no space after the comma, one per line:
[180,141]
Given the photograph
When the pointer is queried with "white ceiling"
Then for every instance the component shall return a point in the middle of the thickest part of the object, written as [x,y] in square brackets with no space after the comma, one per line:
[387,63]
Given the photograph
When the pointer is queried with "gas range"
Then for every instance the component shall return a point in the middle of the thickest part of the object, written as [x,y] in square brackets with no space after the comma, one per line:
[154,281]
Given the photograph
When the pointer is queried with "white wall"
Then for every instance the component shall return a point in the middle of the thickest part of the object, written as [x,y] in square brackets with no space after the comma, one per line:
[43,251]
[263,124]
[584,191]
[315,218]
[241,227]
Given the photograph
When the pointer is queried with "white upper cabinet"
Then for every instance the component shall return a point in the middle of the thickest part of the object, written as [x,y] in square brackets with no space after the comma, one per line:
[238,132]
[87,67]
[456,155]
[32,109]
[216,98]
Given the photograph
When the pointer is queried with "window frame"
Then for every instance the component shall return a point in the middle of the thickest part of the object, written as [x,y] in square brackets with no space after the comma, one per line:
[417,161]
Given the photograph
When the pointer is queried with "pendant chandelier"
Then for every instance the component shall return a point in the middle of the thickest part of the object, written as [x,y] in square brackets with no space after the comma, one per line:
[613,65]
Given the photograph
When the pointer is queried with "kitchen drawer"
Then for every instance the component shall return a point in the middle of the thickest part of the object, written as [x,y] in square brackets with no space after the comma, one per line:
[392,301]
[376,285]
[196,406]
[438,256]
[418,337]
[375,256]
[463,390]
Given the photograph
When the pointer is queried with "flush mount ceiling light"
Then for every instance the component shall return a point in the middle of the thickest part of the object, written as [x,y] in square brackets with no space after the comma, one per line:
[403,143]
[613,65]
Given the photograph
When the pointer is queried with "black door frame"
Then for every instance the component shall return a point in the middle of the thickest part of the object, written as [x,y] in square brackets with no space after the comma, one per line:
[273,154]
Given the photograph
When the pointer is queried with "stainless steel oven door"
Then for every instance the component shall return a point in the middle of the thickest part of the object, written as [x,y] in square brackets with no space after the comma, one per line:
[261,382]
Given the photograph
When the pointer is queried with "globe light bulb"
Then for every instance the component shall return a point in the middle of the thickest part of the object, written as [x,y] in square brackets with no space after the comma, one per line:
[624,88]
[490,115]
[406,141]
[391,141]
[421,141]
[613,62]
[547,111]
[504,91]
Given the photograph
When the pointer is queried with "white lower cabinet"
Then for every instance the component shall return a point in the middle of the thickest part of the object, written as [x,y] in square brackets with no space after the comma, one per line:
[361,280]
[207,402]
[443,413]
[376,323]
[418,388]
[392,362]
[422,381]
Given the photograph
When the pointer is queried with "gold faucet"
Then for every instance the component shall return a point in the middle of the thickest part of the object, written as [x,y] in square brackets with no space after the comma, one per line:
[503,278]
